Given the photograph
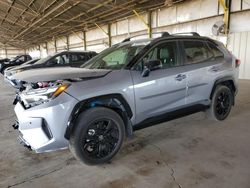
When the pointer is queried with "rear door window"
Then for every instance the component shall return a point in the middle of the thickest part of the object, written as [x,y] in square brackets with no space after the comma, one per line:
[196,52]
[74,58]
[78,58]
[83,57]
[27,58]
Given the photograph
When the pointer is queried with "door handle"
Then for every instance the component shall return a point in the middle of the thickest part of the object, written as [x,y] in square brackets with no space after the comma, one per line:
[180,77]
[214,69]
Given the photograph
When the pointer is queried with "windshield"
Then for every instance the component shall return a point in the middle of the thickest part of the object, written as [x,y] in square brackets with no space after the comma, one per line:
[116,57]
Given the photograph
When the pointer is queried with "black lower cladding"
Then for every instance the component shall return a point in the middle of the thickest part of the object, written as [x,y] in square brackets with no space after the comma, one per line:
[170,116]
[113,101]
[223,104]
[46,129]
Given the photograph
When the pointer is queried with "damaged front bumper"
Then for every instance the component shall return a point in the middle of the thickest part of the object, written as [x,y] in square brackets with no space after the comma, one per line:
[15,83]
[42,127]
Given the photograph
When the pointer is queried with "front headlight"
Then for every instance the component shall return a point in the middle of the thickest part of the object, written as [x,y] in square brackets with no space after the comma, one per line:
[42,95]
[15,72]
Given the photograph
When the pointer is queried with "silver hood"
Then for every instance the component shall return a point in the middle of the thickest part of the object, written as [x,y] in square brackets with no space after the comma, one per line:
[59,73]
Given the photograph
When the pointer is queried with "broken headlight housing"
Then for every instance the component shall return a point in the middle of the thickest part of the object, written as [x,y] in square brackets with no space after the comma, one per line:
[34,97]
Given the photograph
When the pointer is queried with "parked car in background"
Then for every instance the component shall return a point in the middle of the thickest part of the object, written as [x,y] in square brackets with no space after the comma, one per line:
[18,60]
[28,63]
[61,59]
[132,85]
[8,72]
[4,60]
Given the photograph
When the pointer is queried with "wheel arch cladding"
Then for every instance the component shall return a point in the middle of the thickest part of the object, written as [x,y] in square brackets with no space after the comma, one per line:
[115,102]
[227,81]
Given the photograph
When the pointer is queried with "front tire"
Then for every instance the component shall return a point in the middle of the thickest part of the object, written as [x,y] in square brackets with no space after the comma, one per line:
[221,103]
[98,135]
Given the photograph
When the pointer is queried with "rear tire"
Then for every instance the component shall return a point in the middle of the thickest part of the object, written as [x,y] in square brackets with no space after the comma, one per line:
[221,103]
[98,135]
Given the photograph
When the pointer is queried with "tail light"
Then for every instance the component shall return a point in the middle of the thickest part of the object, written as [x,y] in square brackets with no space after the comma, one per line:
[237,62]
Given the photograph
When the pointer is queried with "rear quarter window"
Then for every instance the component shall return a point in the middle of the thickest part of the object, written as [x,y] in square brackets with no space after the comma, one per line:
[84,57]
[93,54]
[196,52]
[22,58]
[216,52]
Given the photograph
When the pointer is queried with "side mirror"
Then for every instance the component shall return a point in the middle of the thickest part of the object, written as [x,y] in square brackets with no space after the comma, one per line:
[151,65]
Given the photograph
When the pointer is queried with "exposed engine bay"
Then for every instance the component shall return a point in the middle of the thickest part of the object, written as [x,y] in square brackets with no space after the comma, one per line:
[33,94]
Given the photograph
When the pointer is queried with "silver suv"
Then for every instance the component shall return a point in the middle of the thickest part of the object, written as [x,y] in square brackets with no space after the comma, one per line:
[132,85]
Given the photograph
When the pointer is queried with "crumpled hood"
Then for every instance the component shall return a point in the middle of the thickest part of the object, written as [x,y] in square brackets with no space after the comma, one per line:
[59,73]
[15,68]
[21,66]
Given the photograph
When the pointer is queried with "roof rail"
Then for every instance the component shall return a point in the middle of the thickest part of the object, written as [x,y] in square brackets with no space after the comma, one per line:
[163,34]
[187,33]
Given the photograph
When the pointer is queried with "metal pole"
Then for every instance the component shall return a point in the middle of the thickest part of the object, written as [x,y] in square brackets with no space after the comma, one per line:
[84,40]
[109,35]
[55,45]
[226,15]
[148,25]
[39,48]
[46,47]
[67,42]
[6,54]
[229,4]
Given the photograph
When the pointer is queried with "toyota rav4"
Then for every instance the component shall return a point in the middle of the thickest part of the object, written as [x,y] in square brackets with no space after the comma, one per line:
[129,86]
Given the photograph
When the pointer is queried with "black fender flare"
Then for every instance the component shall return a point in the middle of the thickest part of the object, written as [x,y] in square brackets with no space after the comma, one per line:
[228,81]
[115,102]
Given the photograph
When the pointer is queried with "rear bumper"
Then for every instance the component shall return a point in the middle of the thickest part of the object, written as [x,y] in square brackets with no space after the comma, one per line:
[42,128]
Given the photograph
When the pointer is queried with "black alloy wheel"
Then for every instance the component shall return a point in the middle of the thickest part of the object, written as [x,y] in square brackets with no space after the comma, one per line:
[101,138]
[221,103]
[98,135]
